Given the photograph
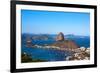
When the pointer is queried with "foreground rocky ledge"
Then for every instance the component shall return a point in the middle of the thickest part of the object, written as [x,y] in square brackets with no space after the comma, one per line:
[84,54]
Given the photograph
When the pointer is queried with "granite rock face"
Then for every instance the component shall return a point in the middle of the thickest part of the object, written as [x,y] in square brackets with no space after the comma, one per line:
[62,43]
[60,37]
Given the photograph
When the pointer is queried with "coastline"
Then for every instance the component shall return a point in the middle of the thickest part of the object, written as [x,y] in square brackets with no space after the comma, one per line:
[81,53]
[60,44]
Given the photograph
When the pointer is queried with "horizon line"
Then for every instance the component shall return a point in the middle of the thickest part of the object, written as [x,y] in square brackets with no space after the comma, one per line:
[57,33]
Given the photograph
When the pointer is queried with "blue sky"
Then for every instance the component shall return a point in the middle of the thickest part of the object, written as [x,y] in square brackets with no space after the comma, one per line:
[49,22]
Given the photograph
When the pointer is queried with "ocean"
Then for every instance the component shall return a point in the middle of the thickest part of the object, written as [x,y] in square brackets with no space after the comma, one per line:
[52,54]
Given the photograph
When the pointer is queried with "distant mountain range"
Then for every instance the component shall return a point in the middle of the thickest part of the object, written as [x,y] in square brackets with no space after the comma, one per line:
[52,36]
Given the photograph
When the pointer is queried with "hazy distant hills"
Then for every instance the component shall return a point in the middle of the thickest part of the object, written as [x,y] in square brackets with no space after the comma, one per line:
[50,36]
[37,36]
[76,36]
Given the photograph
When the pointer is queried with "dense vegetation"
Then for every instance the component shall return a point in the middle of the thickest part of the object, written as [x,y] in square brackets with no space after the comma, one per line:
[27,58]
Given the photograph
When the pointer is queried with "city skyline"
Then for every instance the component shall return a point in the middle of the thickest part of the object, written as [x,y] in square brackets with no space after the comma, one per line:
[52,22]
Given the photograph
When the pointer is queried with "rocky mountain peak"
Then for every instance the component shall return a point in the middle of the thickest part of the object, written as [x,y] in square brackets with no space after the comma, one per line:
[60,37]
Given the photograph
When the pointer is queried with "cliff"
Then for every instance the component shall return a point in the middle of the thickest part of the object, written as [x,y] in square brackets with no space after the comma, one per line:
[60,37]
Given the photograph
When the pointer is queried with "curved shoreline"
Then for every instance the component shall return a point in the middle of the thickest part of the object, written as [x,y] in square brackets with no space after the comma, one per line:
[81,49]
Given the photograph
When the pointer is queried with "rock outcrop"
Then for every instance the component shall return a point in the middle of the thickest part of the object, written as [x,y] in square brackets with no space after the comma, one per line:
[62,43]
[84,54]
[29,42]
[60,37]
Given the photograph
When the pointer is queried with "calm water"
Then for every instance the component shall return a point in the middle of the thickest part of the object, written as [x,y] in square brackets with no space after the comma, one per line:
[82,42]
[46,54]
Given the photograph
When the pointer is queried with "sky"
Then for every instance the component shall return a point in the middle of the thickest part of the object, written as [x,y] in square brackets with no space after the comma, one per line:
[52,22]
